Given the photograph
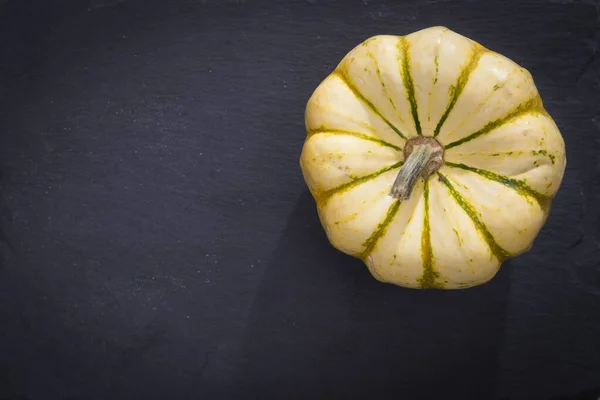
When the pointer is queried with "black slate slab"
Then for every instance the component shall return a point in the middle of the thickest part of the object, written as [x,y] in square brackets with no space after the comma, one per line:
[157,240]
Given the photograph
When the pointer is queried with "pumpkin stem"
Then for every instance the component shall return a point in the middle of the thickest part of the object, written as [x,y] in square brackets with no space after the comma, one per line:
[423,156]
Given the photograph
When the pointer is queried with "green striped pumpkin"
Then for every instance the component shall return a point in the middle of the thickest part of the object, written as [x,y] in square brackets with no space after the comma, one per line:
[431,158]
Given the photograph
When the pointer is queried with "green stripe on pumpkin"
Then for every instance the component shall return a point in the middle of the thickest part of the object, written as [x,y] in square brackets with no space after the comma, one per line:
[532,105]
[371,242]
[498,251]
[359,135]
[408,82]
[461,82]
[344,77]
[383,86]
[437,65]
[430,275]
[324,196]
[518,186]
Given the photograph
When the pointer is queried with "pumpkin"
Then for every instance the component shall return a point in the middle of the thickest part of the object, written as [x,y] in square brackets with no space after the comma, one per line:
[431,158]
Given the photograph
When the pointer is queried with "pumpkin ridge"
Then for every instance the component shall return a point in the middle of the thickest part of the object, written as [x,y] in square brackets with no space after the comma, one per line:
[371,242]
[344,77]
[408,82]
[475,111]
[378,72]
[461,82]
[359,135]
[518,186]
[533,105]
[497,251]
[363,124]
[428,280]
[324,196]
[503,153]
[436,62]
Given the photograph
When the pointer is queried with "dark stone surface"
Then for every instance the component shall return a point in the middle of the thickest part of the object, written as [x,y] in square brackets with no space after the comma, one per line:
[157,240]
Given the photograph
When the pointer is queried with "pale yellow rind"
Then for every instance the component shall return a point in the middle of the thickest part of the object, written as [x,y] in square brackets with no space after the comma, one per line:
[512,218]
[330,159]
[374,68]
[437,57]
[462,255]
[495,88]
[530,149]
[351,216]
[505,158]
[333,106]
[397,257]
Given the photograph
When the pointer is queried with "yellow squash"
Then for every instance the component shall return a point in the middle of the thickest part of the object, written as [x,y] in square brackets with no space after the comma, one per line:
[431,158]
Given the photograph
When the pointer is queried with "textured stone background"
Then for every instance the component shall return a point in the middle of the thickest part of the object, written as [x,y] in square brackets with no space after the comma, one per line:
[157,240]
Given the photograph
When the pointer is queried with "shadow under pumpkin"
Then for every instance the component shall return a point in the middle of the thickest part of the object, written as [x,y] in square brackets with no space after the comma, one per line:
[321,325]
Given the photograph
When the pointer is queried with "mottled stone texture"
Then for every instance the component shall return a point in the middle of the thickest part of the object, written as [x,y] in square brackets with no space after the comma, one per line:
[157,240]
